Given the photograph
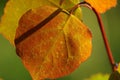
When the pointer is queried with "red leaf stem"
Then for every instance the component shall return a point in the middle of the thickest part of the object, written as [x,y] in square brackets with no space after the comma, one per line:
[109,52]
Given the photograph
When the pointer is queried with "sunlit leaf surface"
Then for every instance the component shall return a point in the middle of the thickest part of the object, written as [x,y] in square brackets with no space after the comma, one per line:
[57,48]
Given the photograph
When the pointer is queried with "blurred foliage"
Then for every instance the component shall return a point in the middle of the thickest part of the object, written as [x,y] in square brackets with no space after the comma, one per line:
[11,67]
[99,76]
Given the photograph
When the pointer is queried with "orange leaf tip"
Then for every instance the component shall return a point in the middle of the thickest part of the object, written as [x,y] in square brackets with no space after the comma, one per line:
[102,5]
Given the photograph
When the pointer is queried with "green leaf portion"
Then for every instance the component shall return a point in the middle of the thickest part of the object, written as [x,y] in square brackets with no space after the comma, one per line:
[115,76]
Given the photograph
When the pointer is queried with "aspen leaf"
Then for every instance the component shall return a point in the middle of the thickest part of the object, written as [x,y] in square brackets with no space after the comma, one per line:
[14,9]
[51,43]
[102,5]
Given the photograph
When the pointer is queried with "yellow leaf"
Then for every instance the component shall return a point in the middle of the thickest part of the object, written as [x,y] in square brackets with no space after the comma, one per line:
[52,44]
[14,9]
[102,5]
[99,76]
[118,69]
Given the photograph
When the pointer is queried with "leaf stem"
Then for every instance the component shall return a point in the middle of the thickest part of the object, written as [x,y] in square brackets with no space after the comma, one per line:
[61,2]
[109,52]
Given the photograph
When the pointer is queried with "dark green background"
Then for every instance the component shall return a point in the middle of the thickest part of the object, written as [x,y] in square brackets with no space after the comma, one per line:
[11,67]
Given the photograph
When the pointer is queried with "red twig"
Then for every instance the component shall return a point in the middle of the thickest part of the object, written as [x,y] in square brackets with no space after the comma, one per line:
[109,52]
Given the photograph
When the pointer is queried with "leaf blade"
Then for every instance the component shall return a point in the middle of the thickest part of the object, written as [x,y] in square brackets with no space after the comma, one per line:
[55,41]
